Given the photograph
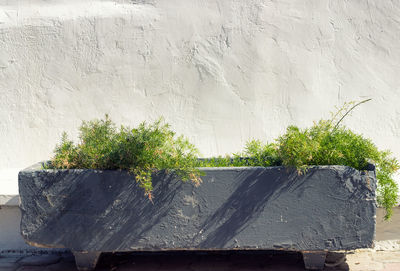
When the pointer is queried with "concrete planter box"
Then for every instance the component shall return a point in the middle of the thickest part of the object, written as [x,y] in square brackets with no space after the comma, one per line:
[330,208]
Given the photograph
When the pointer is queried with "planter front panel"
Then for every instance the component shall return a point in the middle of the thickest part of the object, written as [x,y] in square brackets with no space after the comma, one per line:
[328,208]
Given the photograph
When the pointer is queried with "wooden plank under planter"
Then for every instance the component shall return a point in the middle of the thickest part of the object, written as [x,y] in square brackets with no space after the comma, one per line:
[329,208]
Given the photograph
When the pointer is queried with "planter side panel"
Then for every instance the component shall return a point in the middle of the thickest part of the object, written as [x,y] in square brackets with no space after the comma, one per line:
[329,208]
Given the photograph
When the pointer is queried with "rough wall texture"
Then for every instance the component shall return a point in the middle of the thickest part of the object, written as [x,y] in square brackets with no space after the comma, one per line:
[328,208]
[220,71]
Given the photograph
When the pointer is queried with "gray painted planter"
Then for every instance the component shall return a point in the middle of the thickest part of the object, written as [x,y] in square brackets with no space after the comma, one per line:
[329,208]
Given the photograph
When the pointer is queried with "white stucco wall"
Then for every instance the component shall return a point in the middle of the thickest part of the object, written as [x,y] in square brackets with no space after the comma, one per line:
[220,71]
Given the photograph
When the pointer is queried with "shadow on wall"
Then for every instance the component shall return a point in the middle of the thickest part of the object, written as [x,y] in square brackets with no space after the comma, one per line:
[387,230]
[9,200]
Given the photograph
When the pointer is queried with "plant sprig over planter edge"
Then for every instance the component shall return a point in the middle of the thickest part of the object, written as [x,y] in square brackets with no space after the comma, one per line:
[153,147]
[142,151]
[326,142]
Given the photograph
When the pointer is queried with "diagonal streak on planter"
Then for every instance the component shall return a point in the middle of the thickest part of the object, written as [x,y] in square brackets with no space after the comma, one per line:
[329,208]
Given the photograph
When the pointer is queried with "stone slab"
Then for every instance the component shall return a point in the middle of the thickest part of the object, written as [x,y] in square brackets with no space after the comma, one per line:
[328,208]
[392,267]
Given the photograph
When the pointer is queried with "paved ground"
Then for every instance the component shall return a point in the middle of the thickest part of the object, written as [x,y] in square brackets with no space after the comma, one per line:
[362,260]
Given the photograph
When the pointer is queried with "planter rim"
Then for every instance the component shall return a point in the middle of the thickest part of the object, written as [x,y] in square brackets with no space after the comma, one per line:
[38,167]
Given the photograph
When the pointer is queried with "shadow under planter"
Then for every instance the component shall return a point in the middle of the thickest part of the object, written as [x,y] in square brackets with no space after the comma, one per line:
[329,208]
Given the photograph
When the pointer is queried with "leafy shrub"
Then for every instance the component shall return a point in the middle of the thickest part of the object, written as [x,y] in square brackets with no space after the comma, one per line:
[254,154]
[326,142]
[323,144]
[142,151]
[152,147]
[330,143]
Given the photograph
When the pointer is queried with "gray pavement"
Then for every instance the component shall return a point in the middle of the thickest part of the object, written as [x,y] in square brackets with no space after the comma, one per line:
[193,261]
[360,260]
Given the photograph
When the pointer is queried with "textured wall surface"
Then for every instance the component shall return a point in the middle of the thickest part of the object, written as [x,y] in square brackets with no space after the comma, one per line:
[220,71]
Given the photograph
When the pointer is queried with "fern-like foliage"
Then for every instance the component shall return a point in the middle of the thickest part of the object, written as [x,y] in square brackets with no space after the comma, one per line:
[142,150]
[326,142]
[152,147]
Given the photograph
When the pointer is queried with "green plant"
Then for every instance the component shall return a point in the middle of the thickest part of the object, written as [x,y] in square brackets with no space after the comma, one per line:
[152,147]
[142,151]
[330,143]
[326,142]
